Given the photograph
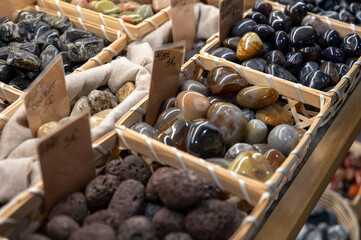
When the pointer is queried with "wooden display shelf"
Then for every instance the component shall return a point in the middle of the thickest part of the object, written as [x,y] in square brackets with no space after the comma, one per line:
[297,199]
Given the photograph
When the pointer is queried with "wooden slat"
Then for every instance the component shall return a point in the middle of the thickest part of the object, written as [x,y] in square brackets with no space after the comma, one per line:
[295,206]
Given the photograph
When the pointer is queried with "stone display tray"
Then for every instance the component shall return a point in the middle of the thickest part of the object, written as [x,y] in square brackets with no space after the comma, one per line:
[338,94]
[118,44]
[244,187]
[133,32]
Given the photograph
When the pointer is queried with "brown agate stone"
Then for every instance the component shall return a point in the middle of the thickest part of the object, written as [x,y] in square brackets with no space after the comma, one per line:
[224,80]
[257,96]
[274,115]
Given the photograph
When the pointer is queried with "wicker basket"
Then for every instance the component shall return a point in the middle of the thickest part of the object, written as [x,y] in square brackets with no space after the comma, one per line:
[134,32]
[24,213]
[337,95]
[106,55]
[246,188]
[332,23]
[343,211]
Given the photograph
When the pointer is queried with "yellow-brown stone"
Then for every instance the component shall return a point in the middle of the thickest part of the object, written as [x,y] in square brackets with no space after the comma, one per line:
[125,91]
[274,115]
[249,47]
[47,128]
[252,164]
[257,96]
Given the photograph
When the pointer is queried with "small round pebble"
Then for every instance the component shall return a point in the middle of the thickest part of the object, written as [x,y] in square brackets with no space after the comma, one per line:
[74,206]
[178,236]
[180,189]
[100,190]
[137,227]
[134,167]
[94,231]
[113,167]
[105,216]
[167,221]
[61,227]
[212,219]
[128,199]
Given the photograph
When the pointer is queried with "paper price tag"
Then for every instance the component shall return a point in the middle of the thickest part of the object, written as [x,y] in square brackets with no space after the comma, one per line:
[183,22]
[46,100]
[230,12]
[168,61]
[66,160]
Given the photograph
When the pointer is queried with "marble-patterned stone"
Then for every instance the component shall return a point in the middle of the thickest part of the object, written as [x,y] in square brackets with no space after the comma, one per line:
[252,164]
[204,140]
[175,132]
[144,128]
[230,120]
[193,104]
[257,97]
[257,132]
[166,116]
[283,138]
[224,80]
[274,115]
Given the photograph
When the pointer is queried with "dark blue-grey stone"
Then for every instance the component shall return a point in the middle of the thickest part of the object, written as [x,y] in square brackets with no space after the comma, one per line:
[225,53]
[307,68]
[264,31]
[194,86]
[341,68]
[280,41]
[275,57]
[279,21]
[316,79]
[258,64]
[258,17]
[333,54]
[303,36]
[242,27]
[278,71]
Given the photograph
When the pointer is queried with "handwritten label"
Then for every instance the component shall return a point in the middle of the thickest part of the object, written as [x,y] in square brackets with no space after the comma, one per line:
[183,22]
[66,159]
[168,61]
[7,8]
[230,12]
[46,100]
